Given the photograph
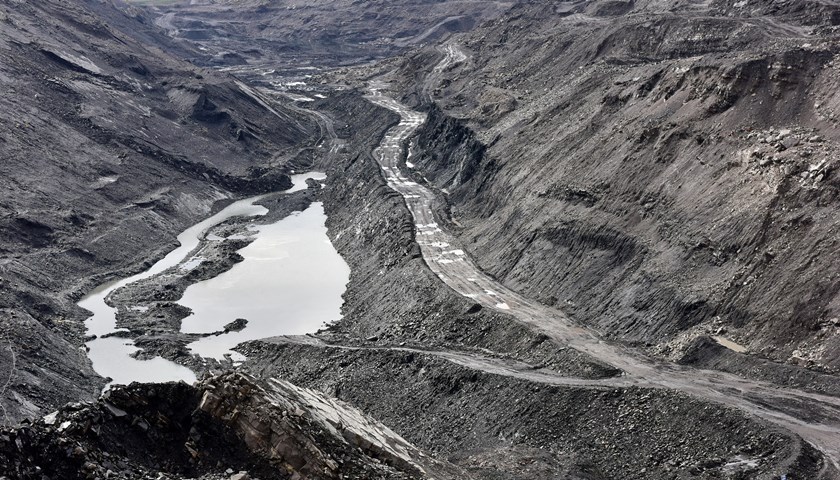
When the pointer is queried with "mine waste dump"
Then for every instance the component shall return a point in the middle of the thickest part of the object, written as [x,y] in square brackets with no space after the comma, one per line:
[272,239]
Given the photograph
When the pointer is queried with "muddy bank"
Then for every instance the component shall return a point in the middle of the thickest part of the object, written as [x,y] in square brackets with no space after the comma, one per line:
[151,310]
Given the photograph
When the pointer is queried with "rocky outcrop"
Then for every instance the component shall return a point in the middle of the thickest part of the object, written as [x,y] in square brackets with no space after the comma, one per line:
[230,426]
[451,154]
[648,181]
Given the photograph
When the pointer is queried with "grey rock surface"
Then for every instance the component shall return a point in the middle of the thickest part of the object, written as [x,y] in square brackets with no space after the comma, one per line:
[110,147]
[653,184]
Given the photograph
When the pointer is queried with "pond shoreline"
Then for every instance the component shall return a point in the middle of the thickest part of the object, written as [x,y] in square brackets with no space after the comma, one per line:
[136,326]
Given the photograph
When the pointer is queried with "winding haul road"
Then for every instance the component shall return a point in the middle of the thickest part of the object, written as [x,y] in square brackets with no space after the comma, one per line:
[814,417]
[452,55]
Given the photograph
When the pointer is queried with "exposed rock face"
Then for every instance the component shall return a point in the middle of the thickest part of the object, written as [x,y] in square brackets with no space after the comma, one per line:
[111,147]
[225,424]
[655,171]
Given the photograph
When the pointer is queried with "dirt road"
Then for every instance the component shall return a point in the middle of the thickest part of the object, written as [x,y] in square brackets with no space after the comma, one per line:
[452,55]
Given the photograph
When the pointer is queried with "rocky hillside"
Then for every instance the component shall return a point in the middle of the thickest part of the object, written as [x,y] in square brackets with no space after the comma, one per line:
[231,427]
[307,34]
[109,148]
[663,171]
[474,387]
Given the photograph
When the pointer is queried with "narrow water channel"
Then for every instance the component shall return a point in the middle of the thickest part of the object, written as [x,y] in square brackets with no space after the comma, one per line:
[301,240]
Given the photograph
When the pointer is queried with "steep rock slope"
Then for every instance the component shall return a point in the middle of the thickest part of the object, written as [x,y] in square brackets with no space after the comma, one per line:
[109,148]
[660,170]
